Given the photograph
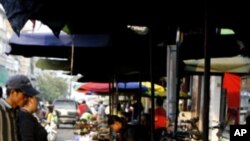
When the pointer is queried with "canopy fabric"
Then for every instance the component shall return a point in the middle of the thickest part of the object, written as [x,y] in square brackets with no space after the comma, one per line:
[236,64]
[95,87]
[231,83]
[64,40]
[104,87]
[18,12]
[145,87]
[123,86]
[189,21]
[130,86]
[101,46]
[159,90]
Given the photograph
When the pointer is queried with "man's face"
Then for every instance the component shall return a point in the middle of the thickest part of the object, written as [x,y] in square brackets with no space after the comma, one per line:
[20,98]
[116,126]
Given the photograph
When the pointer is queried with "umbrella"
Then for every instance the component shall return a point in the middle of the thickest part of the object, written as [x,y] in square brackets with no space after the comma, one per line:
[130,86]
[104,87]
[123,86]
[95,87]
[145,87]
[159,90]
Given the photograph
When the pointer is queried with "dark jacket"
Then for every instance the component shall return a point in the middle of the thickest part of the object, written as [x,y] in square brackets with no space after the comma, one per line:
[135,132]
[29,128]
[7,122]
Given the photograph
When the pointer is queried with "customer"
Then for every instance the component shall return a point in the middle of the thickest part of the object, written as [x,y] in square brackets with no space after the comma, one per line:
[161,120]
[29,127]
[101,111]
[127,132]
[83,107]
[137,110]
[18,89]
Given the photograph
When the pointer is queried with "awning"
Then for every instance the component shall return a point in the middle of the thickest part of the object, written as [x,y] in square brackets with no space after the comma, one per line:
[64,40]
[236,64]
[190,13]
[47,45]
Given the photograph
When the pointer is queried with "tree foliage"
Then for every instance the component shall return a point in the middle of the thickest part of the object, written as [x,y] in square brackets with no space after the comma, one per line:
[51,87]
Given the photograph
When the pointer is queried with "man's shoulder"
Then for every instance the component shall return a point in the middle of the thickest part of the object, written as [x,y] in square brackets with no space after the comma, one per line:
[2,105]
[136,131]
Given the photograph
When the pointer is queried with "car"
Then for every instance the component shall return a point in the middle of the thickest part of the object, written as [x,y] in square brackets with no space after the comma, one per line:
[66,111]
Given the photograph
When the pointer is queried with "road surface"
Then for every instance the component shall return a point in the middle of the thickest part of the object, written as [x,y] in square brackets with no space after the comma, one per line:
[65,133]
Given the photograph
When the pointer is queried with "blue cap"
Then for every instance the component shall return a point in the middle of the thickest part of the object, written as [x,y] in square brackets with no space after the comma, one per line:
[21,82]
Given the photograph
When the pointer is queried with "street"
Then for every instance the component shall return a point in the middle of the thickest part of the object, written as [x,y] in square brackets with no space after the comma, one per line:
[65,133]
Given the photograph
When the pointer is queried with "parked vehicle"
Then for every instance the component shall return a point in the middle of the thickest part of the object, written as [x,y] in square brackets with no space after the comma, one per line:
[66,111]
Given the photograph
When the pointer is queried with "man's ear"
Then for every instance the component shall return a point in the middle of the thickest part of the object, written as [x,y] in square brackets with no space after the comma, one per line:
[13,91]
[29,101]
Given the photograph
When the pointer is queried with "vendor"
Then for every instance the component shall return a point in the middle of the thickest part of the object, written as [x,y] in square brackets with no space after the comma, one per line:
[126,132]
[86,116]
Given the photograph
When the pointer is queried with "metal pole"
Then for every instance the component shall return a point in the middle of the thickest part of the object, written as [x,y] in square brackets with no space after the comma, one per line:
[152,86]
[139,100]
[171,83]
[206,98]
[178,83]
[110,96]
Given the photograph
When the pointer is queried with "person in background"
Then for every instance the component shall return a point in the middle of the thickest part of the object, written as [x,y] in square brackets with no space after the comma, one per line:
[117,125]
[161,120]
[29,127]
[127,132]
[42,113]
[52,115]
[101,111]
[86,116]
[145,121]
[137,110]
[18,88]
[82,108]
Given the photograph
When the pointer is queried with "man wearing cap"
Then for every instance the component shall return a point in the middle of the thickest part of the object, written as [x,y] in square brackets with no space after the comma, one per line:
[18,89]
